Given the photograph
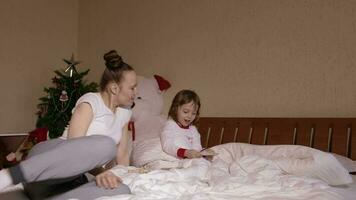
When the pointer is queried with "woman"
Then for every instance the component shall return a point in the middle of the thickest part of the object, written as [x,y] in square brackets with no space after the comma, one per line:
[96,134]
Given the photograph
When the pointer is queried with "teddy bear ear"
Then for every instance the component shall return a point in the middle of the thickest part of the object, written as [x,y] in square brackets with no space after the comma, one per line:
[163,84]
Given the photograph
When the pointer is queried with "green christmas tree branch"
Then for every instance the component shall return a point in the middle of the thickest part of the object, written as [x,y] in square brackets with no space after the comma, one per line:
[55,109]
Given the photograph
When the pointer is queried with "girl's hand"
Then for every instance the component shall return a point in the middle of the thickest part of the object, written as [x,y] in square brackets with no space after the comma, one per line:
[108,180]
[192,154]
[209,158]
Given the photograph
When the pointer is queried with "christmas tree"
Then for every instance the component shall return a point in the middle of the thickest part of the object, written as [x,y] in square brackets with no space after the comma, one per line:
[55,109]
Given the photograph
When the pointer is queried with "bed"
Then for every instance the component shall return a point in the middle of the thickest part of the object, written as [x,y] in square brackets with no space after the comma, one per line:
[245,168]
[326,134]
[335,135]
[232,175]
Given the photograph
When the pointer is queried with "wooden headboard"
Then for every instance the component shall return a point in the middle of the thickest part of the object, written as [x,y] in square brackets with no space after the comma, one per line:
[326,134]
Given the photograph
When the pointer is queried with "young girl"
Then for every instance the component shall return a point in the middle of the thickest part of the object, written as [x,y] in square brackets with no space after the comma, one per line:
[180,138]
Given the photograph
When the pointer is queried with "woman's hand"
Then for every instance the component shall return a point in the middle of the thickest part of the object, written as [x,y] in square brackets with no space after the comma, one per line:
[108,180]
[190,153]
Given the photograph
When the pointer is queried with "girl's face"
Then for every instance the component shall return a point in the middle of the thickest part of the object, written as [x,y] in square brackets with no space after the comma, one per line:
[127,89]
[186,113]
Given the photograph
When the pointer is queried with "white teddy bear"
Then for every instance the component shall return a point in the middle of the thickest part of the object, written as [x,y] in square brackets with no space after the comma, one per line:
[148,120]
[147,112]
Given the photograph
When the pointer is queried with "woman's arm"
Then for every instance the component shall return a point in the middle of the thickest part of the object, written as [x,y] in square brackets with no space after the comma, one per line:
[80,121]
[122,156]
[107,179]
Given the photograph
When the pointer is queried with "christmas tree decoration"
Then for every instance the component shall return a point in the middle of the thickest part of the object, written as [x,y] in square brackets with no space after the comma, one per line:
[55,108]
[64,96]
[71,65]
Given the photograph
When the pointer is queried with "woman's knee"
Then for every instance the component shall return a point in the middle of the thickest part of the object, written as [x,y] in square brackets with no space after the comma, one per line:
[105,146]
[44,146]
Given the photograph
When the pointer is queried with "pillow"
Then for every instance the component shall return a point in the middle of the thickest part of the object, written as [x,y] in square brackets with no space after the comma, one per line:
[322,165]
[347,163]
[146,151]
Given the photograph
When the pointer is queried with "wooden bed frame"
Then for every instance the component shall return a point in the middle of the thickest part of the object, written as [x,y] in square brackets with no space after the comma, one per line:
[326,134]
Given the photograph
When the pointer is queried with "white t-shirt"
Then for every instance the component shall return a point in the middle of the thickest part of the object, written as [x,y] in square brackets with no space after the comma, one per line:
[104,122]
[174,137]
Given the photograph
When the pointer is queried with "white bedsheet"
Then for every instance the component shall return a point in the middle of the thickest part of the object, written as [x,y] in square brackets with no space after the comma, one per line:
[241,171]
[348,192]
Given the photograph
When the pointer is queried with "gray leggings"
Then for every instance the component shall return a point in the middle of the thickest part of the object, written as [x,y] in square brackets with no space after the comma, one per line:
[90,191]
[58,158]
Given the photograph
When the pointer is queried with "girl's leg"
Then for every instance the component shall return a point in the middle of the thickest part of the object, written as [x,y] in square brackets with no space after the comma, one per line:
[90,191]
[69,158]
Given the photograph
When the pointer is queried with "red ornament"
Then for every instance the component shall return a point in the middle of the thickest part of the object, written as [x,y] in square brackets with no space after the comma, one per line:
[64,96]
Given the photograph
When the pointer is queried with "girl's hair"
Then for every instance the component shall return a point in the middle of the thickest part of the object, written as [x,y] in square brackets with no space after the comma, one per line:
[181,98]
[115,68]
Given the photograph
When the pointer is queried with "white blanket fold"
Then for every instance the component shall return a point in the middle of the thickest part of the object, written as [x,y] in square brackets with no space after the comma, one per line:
[291,159]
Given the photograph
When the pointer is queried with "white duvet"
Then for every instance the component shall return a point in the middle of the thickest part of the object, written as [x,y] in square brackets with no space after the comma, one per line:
[240,171]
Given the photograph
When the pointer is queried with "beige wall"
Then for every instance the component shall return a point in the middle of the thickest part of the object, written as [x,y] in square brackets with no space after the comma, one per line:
[277,58]
[34,36]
